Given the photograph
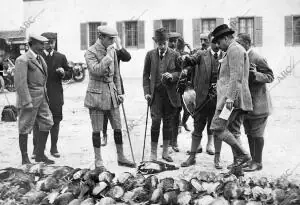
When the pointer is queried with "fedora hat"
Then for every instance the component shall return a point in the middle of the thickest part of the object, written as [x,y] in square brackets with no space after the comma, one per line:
[221,31]
[160,34]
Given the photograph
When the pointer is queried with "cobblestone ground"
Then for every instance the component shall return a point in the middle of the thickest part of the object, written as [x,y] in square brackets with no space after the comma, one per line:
[281,151]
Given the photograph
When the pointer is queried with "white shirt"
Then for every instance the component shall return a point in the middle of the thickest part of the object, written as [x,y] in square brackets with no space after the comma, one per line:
[47,53]
[248,51]
[213,53]
[163,54]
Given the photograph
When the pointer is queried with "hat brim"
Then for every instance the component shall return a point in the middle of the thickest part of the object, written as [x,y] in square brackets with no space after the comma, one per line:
[221,34]
[159,39]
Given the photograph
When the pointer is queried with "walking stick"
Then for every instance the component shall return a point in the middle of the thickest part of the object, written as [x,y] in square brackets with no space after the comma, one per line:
[128,132]
[145,131]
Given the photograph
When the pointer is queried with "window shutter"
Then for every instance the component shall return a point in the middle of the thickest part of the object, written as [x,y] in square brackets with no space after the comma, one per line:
[258,31]
[179,26]
[219,21]
[83,36]
[197,27]
[234,25]
[288,23]
[120,29]
[141,34]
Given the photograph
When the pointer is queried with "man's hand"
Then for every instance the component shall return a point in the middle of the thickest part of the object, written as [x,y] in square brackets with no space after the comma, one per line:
[120,99]
[253,68]
[110,51]
[167,76]
[229,104]
[148,98]
[61,71]
[118,43]
[28,106]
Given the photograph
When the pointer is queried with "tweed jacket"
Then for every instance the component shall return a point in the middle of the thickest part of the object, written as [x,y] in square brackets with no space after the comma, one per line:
[202,74]
[54,86]
[30,80]
[104,83]
[233,79]
[261,100]
[151,67]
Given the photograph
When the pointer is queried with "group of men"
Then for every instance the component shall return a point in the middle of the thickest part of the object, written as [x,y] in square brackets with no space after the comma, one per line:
[225,74]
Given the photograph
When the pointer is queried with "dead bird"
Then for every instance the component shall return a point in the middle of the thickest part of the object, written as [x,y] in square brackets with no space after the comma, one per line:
[116,192]
[153,167]
[184,198]
[64,199]
[106,201]
[106,176]
[151,182]
[167,184]
[100,189]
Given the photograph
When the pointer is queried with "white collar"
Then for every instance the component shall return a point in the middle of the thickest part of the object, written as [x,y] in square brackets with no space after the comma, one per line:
[33,53]
[249,50]
[213,53]
[164,53]
[47,53]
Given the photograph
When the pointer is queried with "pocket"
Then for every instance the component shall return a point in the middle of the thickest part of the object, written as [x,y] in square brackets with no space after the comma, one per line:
[94,90]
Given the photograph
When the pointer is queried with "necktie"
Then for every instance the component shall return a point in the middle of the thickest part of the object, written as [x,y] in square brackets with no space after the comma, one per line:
[39,59]
[216,56]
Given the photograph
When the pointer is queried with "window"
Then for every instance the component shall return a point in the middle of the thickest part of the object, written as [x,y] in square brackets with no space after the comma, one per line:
[93,32]
[296,26]
[131,34]
[246,25]
[292,30]
[251,25]
[169,25]
[88,33]
[208,25]
[204,25]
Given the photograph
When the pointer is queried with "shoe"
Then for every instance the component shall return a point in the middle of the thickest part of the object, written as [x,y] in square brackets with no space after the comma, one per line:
[190,161]
[56,154]
[175,148]
[242,160]
[217,162]
[44,159]
[33,156]
[167,158]
[25,159]
[253,167]
[126,163]
[23,138]
[122,161]
[210,152]
[165,153]
[186,127]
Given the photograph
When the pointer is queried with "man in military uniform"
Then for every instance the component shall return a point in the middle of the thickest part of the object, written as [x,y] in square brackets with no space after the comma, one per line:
[104,92]
[32,101]
[255,122]
[232,91]
[58,70]
[160,76]
[204,82]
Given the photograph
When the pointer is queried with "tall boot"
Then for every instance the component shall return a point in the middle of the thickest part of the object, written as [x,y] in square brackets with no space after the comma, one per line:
[54,137]
[241,154]
[40,151]
[23,138]
[257,160]
[97,150]
[209,146]
[192,158]
[153,156]
[218,147]
[251,145]
[34,137]
[165,153]
[122,161]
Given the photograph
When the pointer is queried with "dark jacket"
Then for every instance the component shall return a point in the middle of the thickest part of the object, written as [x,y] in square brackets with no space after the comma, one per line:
[54,86]
[124,56]
[150,69]
[202,74]
[257,84]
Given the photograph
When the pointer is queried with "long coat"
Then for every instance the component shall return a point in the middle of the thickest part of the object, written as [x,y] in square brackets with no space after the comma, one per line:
[257,83]
[54,86]
[30,80]
[202,74]
[151,67]
[104,84]
[233,79]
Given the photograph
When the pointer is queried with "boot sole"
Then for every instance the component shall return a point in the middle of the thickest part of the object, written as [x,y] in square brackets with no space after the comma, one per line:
[126,164]
[188,165]
[168,160]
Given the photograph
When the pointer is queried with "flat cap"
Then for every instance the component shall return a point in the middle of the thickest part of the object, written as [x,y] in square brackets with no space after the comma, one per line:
[37,38]
[174,35]
[49,35]
[204,36]
[106,30]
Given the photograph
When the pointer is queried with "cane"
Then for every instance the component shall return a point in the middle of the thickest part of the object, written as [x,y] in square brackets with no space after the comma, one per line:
[145,131]
[128,132]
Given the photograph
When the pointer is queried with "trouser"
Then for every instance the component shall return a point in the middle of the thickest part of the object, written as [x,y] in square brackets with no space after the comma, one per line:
[105,123]
[161,109]
[175,125]
[254,129]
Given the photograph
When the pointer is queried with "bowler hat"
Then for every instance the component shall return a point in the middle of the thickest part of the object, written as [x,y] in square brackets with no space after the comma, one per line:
[33,37]
[108,31]
[49,35]
[221,31]
[160,34]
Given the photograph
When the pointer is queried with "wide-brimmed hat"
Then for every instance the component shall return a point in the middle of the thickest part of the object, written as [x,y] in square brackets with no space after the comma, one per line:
[221,31]
[160,34]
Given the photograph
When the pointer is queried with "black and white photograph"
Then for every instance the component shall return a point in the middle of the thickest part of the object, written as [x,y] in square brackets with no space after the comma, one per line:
[149,102]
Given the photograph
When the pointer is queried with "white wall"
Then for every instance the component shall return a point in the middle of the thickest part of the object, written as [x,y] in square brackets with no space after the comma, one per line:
[65,16]
[11,14]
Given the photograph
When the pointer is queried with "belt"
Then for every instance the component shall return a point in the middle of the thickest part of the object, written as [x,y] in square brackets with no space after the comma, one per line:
[101,78]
